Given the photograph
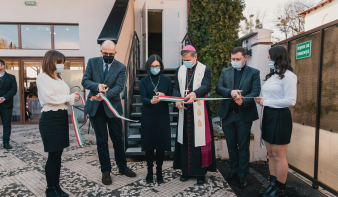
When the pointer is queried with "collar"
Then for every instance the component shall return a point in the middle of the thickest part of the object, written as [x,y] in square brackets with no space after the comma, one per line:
[1,75]
[194,67]
[241,68]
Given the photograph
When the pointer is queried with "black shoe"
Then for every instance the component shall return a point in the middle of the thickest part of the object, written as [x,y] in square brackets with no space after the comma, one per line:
[232,176]
[184,178]
[200,180]
[128,172]
[106,179]
[266,191]
[51,192]
[149,177]
[242,182]
[276,193]
[60,191]
[7,146]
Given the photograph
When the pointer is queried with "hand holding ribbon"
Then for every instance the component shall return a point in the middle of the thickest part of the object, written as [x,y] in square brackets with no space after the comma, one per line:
[74,120]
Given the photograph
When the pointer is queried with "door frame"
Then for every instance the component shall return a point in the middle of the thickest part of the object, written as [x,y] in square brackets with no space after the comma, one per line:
[21,83]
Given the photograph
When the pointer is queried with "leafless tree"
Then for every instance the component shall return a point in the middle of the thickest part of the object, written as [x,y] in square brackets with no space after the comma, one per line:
[253,20]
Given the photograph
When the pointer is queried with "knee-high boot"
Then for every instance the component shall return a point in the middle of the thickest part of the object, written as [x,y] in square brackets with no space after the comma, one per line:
[159,163]
[150,165]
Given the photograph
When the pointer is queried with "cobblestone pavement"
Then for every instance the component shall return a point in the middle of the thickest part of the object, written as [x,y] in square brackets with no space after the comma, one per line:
[22,172]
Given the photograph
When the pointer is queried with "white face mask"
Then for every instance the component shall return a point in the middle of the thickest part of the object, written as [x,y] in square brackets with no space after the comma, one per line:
[59,68]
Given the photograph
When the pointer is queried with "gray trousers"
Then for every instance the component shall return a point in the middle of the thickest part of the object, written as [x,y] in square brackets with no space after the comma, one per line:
[237,135]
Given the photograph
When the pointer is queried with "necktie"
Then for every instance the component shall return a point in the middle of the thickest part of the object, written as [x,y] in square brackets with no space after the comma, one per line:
[105,71]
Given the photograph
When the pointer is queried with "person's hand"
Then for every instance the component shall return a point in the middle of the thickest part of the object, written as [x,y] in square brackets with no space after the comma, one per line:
[160,94]
[77,97]
[97,98]
[259,100]
[191,97]
[236,93]
[103,88]
[239,101]
[261,103]
[179,105]
[1,100]
[155,100]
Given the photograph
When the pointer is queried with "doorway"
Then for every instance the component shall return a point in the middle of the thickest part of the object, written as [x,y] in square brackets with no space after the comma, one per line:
[154,32]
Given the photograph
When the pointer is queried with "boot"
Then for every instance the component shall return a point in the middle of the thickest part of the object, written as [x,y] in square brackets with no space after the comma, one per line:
[150,165]
[159,163]
[272,186]
[51,192]
[60,191]
[279,190]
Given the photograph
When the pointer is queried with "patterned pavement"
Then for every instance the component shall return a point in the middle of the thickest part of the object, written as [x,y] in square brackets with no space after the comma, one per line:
[22,172]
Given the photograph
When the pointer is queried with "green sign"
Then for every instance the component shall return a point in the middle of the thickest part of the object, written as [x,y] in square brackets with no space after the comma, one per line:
[303,50]
[30,3]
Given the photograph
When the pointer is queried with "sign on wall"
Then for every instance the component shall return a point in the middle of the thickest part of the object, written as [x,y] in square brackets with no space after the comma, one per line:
[30,3]
[303,50]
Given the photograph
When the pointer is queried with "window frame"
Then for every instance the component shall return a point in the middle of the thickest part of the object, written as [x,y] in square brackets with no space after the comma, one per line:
[52,34]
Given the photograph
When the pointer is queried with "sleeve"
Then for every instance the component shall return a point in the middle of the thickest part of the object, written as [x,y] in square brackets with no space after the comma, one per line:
[47,95]
[255,90]
[290,93]
[170,88]
[118,87]
[12,92]
[205,84]
[176,88]
[220,89]
[144,94]
[87,80]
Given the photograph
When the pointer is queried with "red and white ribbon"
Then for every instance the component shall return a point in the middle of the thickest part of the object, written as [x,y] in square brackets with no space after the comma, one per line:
[76,124]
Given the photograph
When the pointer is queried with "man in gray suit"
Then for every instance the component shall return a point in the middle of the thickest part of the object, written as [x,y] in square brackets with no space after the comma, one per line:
[238,113]
[106,75]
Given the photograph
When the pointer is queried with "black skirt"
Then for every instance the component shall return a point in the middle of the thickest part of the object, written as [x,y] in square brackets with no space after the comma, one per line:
[277,125]
[54,130]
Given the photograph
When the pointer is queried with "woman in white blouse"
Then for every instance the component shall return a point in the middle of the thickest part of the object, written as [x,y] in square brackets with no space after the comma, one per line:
[54,97]
[278,93]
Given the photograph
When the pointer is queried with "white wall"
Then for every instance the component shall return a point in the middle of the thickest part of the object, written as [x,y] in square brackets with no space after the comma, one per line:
[322,15]
[90,15]
[182,5]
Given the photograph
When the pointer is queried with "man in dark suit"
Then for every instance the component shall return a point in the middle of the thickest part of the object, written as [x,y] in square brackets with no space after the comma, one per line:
[238,114]
[8,90]
[106,75]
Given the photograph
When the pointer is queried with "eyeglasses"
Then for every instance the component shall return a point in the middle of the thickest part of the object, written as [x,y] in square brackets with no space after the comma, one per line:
[108,54]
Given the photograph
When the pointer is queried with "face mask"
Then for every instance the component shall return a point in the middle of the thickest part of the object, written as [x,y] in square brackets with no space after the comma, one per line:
[236,65]
[155,71]
[108,59]
[59,68]
[188,64]
[271,64]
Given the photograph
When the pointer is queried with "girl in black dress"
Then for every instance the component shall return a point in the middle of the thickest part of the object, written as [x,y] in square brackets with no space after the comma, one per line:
[155,127]
[278,93]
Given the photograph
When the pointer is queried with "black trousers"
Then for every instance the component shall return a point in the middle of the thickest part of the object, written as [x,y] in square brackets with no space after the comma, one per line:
[100,121]
[6,115]
[237,135]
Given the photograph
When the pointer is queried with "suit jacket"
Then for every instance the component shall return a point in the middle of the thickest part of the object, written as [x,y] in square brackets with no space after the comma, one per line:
[8,89]
[250,84]
[114,81]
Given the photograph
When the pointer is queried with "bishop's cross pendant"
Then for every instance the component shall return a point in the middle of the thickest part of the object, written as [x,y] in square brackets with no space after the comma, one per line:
[186,92]
[155,90]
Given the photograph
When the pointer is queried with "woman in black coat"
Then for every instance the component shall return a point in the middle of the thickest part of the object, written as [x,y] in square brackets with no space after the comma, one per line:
[155,127]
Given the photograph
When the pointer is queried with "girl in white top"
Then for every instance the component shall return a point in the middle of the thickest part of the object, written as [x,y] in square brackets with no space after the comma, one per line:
[54,97]
[278,93]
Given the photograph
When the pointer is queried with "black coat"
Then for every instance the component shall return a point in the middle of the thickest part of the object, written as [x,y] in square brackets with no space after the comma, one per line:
[250,84]
[8,89]
[155,127]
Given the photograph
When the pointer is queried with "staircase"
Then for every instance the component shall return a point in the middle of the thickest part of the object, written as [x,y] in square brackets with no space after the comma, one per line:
[133,130]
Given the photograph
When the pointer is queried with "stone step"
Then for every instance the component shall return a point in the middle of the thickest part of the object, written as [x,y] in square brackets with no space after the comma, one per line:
[138,125]
[172,114]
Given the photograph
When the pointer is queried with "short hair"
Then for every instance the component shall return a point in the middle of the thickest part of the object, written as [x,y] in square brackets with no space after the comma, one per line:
[192,53]
[239,49]
[151,59]
[2,62]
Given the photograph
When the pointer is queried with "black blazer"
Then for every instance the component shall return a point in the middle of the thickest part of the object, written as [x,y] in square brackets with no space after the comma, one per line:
[114,81]
[8,90]
[250,84]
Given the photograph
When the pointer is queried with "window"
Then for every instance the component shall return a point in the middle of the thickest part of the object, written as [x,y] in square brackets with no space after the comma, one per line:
[39,36]
[66,37]
[36,36]
[9,37]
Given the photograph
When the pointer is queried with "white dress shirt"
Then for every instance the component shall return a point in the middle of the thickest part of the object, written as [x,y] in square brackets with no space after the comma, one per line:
[104,66]
[280,93]
[53,94]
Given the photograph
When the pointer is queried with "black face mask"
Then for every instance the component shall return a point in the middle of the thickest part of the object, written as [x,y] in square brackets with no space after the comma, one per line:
[108,59]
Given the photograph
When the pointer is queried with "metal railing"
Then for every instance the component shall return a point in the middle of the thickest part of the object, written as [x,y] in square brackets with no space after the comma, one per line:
[128,90]
[315,113]
[186,41]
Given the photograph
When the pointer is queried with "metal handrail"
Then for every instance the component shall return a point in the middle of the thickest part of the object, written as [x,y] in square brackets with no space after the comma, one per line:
[186,39]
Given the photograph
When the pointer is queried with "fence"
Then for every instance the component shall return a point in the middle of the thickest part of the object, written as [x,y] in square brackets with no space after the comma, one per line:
[313,151]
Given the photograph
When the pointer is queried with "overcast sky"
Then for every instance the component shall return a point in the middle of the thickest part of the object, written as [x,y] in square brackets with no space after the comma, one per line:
[269,6]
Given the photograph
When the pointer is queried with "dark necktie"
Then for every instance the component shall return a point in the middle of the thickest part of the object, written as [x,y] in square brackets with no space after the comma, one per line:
[105,71]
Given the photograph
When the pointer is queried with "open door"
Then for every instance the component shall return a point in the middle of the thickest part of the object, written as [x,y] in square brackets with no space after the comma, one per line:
[144,34]
[171,38]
